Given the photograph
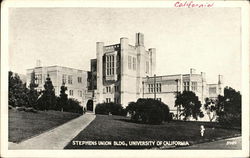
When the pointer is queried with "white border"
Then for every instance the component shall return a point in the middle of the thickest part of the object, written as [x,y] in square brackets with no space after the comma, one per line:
[121,153]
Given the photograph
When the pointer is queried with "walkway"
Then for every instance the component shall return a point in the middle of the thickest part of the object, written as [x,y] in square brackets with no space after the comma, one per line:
[56,138]
[230,143]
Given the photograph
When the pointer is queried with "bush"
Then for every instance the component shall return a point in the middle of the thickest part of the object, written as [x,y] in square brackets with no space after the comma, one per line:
[149,111]
[73,106]
[107,108]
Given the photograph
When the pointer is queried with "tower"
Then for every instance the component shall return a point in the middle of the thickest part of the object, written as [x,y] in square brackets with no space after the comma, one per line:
[139,39]
[99,69]
[220,84]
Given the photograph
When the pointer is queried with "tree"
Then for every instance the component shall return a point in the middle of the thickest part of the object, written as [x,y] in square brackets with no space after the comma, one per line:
[190,105]
[17,92]
[32,92]
[48,99]
[210,107]
[229,107]
[63,99]
[149,111]
[74,106]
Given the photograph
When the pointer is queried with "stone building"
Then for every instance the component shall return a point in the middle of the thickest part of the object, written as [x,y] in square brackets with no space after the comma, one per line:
[165,88]
[117,73]
[122,73]
[74,79]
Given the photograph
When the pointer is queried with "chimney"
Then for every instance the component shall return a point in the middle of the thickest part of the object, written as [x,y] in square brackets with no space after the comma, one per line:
[139,39]
[192,71]
[220,79]
[38,63]
[203,75]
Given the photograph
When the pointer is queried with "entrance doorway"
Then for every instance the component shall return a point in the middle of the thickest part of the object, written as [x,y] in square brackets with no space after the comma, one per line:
[90,105]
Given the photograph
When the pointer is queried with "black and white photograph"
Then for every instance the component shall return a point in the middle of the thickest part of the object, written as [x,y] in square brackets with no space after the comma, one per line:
[125,76]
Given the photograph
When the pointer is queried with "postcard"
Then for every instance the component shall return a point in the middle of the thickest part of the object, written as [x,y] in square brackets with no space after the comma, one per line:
[125,79]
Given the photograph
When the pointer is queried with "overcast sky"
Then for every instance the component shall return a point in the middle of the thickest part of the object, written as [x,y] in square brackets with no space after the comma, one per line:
[206,39]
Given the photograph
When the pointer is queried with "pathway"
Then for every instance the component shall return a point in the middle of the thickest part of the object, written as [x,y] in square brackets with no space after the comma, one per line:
[58,137]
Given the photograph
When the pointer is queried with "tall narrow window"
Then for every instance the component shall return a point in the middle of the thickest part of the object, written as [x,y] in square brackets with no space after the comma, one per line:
[38,79]
[71,92]
[186,86]
[110,65]
[64,78]
[194,86]
[70,79]
[79,79]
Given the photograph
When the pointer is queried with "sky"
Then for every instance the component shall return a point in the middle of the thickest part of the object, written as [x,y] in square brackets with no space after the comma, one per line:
[207,39]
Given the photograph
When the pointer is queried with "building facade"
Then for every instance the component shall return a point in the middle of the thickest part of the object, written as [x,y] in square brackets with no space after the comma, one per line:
[165,88]
[122,73]
[117,72]
[75,80]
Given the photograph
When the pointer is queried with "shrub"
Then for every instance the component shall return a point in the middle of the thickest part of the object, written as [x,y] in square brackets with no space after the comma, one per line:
[73,106]
[228,108]
[149,111]
[107,108]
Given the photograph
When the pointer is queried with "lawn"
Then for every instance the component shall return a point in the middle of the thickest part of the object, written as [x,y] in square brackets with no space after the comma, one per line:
[23,125]
[118,128]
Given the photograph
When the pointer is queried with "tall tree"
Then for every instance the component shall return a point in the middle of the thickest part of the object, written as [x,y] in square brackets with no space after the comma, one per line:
[190,105]
[48,99]
[210,107]
[32,93]
[229,107]
[63,100]
[17,91]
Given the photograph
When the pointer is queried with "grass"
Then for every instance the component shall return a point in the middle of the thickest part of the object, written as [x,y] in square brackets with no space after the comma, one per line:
[118,128]
[23,125]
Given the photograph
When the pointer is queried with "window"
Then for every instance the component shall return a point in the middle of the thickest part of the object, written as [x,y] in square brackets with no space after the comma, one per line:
[149,88]
[110,65]
[194,86]
[212,90]
[186,86]
[152,88]
[108,89]
[64,78]
[116,88]
[70,80]
[108,100]
[158,87]
[80,93]
[71,92]
[38,79]
[129,62]
[79,79]
[147,67]
[134,63]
